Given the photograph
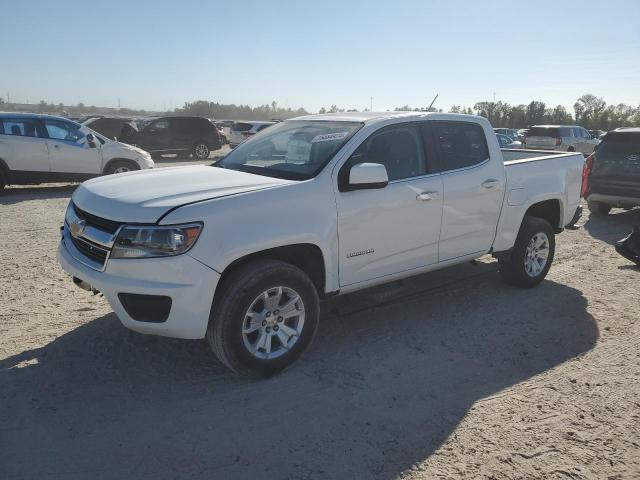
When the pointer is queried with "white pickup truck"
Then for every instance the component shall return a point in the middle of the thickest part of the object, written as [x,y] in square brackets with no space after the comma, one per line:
[241,252]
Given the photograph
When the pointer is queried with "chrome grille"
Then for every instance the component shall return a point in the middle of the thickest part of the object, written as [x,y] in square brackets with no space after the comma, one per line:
[94,252]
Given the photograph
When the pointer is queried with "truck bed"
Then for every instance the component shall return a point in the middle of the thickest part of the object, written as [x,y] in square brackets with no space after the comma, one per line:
[533,177]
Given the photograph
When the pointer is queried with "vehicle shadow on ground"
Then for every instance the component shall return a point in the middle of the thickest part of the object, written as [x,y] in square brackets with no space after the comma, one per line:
[392,373]
[614,226]
[12,195]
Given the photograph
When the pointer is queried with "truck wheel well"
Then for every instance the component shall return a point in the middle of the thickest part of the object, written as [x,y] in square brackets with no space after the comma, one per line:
[548,210]
[306,256]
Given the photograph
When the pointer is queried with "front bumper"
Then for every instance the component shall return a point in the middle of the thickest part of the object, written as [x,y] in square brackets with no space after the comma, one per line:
[189,283]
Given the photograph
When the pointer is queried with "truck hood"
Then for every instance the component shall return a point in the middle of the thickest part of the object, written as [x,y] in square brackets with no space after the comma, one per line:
[145,196]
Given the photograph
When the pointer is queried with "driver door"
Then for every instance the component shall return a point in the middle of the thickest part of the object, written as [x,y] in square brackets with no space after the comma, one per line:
[383,231]
[69,150]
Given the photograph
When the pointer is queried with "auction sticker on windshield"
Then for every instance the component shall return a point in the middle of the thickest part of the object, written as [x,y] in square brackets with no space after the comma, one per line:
[329,137]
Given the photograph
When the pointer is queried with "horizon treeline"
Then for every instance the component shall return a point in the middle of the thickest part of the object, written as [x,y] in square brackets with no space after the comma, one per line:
[589,111]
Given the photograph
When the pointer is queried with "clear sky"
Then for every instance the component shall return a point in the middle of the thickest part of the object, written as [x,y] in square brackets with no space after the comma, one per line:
[159,54]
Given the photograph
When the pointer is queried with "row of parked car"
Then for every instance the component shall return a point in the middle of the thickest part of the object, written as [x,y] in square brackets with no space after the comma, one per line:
[175,135]
[43,148]
[564,138]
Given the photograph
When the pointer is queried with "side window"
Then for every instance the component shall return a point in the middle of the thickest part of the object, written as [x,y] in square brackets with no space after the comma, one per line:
[585,133]
[460,144]
[185,125]
[20,127]
[159,125]
[576,132]
[59,130]
[397,147]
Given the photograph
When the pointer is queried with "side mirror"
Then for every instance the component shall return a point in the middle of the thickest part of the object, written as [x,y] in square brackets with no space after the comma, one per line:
[91,140]
[368,175]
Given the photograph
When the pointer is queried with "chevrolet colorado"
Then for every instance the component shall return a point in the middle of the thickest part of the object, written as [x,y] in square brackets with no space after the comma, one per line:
[240,252]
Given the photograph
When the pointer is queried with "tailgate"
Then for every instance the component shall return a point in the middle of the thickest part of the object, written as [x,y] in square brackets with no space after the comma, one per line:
[616,165]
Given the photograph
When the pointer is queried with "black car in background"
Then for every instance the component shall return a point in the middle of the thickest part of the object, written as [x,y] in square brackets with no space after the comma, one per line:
[110,127]
[612,172]
[183,136]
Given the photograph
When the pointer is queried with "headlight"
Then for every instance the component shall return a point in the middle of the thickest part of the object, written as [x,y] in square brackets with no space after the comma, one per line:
[154,241]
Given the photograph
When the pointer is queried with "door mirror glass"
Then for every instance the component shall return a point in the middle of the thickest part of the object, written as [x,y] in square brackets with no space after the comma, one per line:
[368,175]
[91,140]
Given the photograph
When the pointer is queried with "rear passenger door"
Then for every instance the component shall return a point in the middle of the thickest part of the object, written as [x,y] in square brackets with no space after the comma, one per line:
[473,185]
[23,145]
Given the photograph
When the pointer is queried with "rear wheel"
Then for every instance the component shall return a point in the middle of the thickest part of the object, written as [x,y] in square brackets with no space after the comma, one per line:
[121,166]
[201,151]
[532,254]
[598,208]
[264,317]
[3,180]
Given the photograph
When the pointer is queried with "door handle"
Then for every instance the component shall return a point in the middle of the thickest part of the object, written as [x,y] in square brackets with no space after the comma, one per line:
[426,196]
[491,183]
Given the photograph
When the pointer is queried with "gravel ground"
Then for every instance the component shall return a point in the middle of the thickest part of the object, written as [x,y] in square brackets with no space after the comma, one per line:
[447,375]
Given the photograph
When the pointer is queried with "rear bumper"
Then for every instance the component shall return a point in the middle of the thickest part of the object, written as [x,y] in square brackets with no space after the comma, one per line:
[615,200]
[188,283]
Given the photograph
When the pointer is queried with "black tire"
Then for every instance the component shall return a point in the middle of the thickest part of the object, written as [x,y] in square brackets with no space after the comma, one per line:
[513,270]
[598,208]
[201,151]
[3,180]
[121,166]
[235,297]
[571,149]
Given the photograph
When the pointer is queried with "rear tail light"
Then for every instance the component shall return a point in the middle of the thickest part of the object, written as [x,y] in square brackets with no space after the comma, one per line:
[558,141]
[586,171]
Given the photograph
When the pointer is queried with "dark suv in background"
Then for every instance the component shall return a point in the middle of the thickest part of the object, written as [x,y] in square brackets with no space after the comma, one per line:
[612,172]
[110,127]
[183,136]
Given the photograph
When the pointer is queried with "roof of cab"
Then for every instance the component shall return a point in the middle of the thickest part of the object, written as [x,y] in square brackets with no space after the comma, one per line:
[359,116]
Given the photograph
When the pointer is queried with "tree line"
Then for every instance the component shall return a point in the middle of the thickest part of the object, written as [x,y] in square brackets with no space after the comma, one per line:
[589,111]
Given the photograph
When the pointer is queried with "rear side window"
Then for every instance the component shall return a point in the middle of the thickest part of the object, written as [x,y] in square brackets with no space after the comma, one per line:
[262,127]
[544,132]
[23,127]
[241,127]
[460,144]
[186,125]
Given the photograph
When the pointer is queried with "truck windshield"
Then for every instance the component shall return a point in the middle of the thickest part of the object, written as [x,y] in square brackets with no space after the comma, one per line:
[294,150]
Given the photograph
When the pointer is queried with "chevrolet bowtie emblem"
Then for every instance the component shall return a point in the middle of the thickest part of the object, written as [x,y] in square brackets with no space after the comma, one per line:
[77,228]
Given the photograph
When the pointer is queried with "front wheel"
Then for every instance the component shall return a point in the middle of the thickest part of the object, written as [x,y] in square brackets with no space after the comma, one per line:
[121,166]
[263,318]
[201,151]
[532,254]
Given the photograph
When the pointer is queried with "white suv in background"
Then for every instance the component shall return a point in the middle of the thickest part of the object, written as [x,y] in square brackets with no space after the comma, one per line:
[565,138]
[44,148]
[240,131]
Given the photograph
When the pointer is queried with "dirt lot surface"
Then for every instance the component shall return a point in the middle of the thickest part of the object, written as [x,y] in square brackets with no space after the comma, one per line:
[447,375]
